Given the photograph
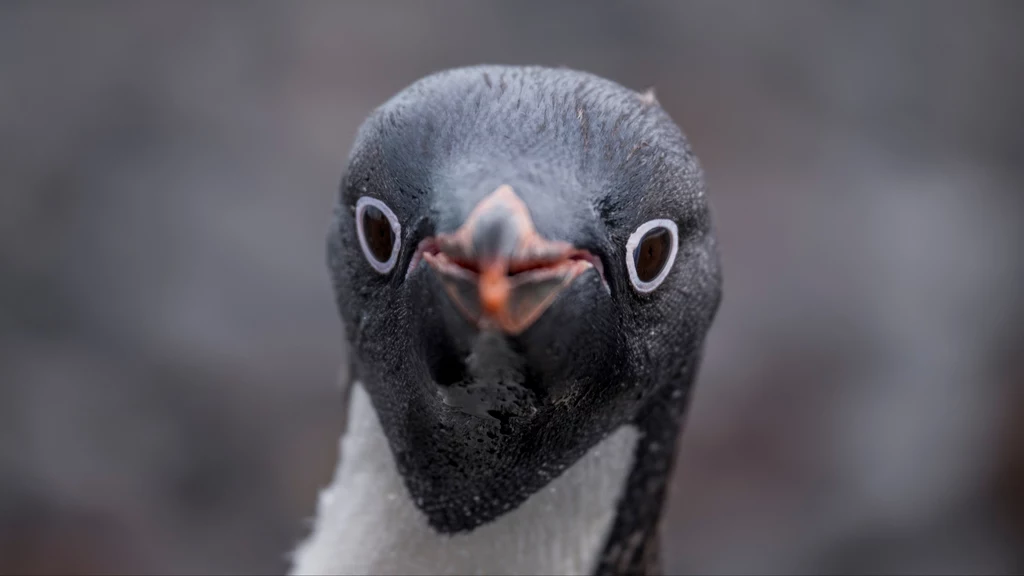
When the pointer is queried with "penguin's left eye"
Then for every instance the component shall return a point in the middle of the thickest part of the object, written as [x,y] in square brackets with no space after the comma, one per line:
[380,233]
[650,253]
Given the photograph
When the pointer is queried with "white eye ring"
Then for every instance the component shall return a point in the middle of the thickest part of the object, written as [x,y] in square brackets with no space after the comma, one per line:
[634,242]
[396,229]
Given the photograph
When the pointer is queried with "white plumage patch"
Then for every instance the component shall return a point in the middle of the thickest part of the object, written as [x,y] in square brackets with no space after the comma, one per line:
[367,523]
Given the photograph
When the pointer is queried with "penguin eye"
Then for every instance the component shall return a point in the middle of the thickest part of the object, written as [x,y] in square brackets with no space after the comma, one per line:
[650,252]
[379,233]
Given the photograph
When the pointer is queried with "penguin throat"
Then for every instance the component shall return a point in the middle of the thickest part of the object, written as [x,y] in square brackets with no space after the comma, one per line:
[367,522]
[495,383]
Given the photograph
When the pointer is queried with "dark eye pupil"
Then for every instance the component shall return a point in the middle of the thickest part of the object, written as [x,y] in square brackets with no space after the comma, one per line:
[379,236]
[652,253]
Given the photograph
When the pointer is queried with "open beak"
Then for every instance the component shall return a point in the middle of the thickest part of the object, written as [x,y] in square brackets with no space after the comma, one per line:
[497,270]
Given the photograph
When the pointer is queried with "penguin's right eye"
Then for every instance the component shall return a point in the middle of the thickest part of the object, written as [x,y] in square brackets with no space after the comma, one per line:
[379,232]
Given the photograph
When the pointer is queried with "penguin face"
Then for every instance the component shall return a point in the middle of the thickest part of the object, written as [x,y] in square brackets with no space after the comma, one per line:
[521,258]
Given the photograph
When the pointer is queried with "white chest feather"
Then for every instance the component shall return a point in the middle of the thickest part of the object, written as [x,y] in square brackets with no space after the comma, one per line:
[367,523]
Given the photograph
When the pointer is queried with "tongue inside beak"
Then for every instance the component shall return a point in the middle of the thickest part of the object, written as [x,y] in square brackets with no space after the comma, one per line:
[497,270]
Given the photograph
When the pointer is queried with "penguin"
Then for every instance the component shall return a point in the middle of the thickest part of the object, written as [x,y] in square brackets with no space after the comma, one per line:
[524,263]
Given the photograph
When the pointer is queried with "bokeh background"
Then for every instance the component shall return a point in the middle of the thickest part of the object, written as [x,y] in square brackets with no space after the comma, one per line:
[168,340]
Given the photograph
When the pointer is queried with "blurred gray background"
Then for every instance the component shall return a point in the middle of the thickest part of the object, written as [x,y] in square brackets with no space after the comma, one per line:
[169,344]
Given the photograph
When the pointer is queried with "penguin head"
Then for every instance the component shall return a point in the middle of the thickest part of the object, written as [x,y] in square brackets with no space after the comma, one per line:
[522,258]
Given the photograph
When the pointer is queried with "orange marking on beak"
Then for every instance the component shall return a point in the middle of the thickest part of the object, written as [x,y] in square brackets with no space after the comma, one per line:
[494,289]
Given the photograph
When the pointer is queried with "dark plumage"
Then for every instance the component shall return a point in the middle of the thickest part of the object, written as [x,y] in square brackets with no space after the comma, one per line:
[480,418]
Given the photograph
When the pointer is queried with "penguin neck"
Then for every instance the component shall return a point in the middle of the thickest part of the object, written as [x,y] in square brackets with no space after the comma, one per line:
[633,543]
[599,516]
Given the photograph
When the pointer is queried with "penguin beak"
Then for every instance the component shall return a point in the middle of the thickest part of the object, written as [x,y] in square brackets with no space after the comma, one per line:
[497,270]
